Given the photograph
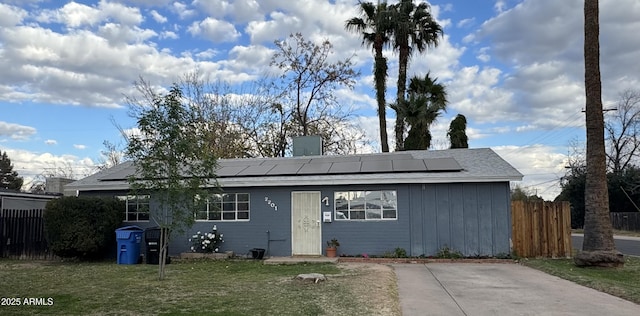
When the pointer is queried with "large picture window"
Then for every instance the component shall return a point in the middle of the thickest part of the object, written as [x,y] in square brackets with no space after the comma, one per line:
[137,208]
[366,205]
[225,207]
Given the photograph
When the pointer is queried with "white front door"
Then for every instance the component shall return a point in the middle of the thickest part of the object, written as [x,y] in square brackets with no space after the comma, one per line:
[305,219]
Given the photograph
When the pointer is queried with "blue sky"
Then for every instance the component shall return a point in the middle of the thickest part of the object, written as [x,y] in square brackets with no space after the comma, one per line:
[514,68]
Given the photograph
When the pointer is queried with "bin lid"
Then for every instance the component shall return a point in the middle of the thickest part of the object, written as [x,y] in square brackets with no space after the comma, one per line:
[132,227]
[125,232]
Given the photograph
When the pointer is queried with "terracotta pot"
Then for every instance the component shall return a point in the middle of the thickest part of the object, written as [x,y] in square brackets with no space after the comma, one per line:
[331,252]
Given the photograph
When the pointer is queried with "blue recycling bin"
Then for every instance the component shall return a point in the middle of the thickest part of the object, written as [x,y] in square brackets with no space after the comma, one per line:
[129,239]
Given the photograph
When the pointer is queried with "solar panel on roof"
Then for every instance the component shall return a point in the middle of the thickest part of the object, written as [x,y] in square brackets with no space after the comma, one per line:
[285,169]
[442,164]
[284,161]
[404,165]
[238,162]
[335,159]
[376,166]
[386,157]
[256,170]
[315,168]
[229,171]
[345,167]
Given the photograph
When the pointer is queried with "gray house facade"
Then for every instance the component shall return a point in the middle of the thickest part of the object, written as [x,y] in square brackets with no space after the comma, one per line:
[420,201]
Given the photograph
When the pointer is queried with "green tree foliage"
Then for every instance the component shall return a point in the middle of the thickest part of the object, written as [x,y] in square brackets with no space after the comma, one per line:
[173,160]
[573,186]
[623,189]
[519,193]
[82,227]
[458,132]
[9,179]
[427,100]
[413,29]
[374,25]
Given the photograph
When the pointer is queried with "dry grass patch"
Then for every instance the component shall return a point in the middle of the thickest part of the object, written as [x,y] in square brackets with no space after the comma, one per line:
[199,287]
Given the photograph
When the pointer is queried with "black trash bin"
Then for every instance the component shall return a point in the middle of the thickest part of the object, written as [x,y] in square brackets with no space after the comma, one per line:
[152,245]
[257,253]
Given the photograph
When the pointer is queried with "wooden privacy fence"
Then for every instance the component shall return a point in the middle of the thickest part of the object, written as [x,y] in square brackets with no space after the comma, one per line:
[541,229]
[22,235]
[629,221]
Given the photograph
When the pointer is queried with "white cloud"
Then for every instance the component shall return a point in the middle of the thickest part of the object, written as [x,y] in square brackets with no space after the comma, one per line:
[78,146]
[74,15]
[181,10]
[51,142]
[10,15]
[30,165]
[542,167]
[169,34]
[214,30]
[466,22]
[16,131]
[158,17]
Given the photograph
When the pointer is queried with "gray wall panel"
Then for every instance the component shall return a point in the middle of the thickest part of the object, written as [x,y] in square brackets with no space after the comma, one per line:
[430,223]
[443,213]
[501,219]
[456,218]
[471,229]
[485,221]
[416,221]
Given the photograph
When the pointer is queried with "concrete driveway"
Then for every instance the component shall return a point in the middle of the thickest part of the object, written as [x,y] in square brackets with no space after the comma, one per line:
[498,289]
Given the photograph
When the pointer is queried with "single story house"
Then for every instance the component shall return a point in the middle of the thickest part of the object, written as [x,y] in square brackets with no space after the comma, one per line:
[13,200]
[420,201]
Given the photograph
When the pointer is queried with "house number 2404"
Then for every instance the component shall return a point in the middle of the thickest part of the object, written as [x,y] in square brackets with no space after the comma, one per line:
[270,203]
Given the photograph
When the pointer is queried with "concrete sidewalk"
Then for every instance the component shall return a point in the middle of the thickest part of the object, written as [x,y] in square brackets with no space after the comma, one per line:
[498,289]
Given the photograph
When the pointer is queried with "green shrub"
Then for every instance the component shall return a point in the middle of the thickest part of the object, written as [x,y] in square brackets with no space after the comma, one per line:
[82,228]
[448,253]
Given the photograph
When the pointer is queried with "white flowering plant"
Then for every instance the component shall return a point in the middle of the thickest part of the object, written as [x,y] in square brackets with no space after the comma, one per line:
[206,242]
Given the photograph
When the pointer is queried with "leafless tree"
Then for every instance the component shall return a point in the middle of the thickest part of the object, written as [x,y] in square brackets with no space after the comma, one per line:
[622,132]
[307,83]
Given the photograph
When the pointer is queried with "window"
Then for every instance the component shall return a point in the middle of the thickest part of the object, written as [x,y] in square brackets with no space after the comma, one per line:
[137,208]
[225,207]
[366,205]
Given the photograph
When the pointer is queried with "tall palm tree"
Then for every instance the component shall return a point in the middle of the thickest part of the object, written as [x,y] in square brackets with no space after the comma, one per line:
[413,29]
[427,100]
[598,246]
[373,24]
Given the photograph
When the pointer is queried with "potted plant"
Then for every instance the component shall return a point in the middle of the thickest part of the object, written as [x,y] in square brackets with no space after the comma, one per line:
[332,247]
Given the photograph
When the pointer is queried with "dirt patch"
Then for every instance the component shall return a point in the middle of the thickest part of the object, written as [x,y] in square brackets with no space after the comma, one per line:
[374,285]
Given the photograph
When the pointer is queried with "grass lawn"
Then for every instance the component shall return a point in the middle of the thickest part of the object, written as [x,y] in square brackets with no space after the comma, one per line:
[196,287]
[621,282]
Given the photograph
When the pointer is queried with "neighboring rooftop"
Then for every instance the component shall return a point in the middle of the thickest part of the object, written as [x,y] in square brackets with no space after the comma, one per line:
[426,166]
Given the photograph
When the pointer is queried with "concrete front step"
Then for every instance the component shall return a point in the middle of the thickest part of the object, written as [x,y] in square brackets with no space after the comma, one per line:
[299,259]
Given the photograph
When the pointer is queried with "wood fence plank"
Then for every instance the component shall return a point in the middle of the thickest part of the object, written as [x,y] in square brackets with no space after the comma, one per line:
[541,229]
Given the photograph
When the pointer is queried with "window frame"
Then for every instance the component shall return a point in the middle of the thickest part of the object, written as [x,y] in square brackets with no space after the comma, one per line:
[365,207]
[146,198]
[224,202]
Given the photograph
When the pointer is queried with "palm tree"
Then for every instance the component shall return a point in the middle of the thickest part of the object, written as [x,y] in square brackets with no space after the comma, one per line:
[373,25]
[598,246]
[413,29]
[427,99]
